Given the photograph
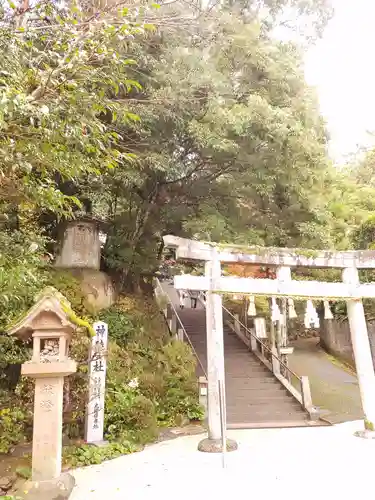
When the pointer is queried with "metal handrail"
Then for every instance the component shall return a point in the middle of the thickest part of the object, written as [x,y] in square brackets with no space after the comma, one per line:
[182,326]
[264,345]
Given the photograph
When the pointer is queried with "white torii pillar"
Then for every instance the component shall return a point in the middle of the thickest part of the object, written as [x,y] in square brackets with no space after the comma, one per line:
[215,363]
[362,355]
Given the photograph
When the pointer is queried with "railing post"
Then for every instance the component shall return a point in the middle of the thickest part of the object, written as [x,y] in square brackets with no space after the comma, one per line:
[168,314]
[275,361]
[173,323]
[237,326]
[202,386]
[260,333]
[283,275]
[180,334]
[306,392]
[253,343]
[307,399]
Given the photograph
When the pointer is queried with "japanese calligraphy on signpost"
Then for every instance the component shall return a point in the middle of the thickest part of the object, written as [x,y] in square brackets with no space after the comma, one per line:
[97,373]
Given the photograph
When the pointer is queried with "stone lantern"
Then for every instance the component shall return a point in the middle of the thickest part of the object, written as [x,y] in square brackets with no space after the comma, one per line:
[50,326]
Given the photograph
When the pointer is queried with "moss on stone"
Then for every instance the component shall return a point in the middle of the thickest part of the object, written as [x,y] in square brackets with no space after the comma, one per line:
[80,322]
[66,307]
[266,251]
[369,426]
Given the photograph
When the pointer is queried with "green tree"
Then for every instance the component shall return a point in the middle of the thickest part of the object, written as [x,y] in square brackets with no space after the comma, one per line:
[61,82]
[229,144]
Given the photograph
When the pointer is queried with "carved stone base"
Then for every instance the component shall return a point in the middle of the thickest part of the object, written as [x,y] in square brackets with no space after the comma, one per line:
[365,434]
[208,445]
[314,414]
[55,489]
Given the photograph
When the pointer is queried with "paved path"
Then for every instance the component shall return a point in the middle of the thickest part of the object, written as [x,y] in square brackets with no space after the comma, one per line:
[169,289]
[334,388]
[287,464]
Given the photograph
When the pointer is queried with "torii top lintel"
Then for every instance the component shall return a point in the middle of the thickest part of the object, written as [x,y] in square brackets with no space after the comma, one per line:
[290,257]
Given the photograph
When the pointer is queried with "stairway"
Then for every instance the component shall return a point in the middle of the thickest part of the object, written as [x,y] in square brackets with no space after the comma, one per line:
[254,397]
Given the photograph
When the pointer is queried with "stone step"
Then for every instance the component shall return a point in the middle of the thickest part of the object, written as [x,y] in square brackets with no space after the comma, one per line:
[251,376]
[261,423]
[259,416]
[254,397]
[257,398]
[275,405]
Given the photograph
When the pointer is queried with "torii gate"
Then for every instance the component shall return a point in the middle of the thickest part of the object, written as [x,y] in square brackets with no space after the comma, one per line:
[350,290]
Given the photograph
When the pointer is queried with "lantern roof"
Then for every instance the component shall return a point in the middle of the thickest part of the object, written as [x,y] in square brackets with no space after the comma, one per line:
[53,306]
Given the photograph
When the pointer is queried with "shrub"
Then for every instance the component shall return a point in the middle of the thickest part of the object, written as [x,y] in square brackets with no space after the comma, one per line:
[81,456]
[122,326]
[12,428]
[22,272]
[128,411]
[165,393]
[12,352]
[172,384]
[135,319]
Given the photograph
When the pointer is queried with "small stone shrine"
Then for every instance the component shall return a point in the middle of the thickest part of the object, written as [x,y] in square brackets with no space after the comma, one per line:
[49,325]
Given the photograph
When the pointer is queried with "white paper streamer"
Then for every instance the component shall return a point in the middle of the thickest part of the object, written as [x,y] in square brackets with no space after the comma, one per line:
[275,311]
[251,311]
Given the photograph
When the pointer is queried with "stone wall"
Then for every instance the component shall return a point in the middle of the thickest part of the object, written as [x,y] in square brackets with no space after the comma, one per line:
[335,339]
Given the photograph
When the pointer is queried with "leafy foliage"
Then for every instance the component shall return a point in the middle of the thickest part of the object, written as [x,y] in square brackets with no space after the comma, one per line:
[229,145]
[156,128]
[81,456]
[12,428]
[61,85]
[21,272]
[67,284]
[56,85]
[128,411]
[150,382]
[364,236]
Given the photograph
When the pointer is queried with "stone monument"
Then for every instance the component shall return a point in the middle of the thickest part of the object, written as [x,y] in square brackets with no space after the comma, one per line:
[48,323]
[80,250]
[80,244]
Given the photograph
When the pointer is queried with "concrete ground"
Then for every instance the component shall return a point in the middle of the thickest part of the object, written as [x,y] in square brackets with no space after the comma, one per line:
[287,464]
[333,386]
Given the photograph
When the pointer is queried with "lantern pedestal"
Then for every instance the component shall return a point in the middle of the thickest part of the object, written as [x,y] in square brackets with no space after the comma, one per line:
[48,412]
[47,481]
[53,489]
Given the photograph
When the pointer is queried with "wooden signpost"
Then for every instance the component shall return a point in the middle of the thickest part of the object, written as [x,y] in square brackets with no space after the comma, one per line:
[97,374]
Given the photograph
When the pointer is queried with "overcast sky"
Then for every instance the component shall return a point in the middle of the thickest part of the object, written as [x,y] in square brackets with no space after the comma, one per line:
[342,66]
